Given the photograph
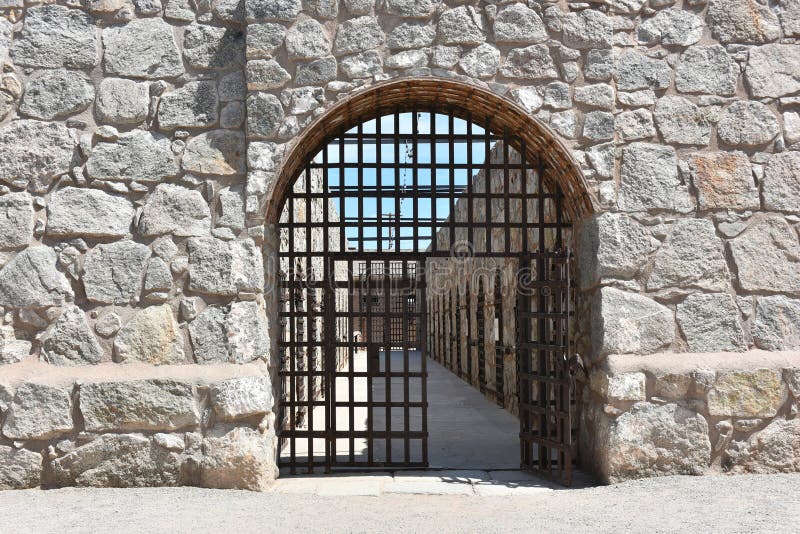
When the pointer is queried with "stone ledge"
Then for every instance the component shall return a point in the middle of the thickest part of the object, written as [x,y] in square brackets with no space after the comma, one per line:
[44,373]
[689,361]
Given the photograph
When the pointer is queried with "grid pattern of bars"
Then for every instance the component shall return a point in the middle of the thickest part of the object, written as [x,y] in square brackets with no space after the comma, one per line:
[366,213]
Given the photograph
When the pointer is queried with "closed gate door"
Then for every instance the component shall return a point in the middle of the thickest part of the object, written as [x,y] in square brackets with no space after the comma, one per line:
[390,242]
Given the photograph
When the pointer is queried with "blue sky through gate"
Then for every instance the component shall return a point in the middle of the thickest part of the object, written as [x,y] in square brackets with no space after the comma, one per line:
[425,152]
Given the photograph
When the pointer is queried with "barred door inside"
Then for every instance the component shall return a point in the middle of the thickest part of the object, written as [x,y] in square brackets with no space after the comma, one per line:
[386,231]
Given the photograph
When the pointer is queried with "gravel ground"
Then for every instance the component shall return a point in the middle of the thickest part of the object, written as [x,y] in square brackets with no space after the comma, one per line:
[689,504]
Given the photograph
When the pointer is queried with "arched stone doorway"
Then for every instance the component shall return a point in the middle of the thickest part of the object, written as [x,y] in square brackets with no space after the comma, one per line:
[397,202]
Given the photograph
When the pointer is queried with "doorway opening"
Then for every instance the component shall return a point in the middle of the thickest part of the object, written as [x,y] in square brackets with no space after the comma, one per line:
[419,239]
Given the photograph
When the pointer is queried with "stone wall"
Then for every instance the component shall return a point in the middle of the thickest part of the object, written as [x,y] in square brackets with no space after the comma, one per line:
[142,143]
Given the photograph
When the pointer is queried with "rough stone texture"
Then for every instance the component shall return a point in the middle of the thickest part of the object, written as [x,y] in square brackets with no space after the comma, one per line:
[634,124]
[481,62]
[612,246]
[317,72]
[19,468]
[357,35]
[50,94]
[142,48]
[637,71]
[34,151]
[241,458]
[599,95]
[208,335]
[231,203]
[652,440]
[765,255]
[587,29]
[264,39]
[649,179]
[70,341]
[519,24]
[706,69]
[31,280]
[757,393]
[118,460]
[176,210]
[710,323]
[777,323]
[136,155]
[772,71]
[404,8]
[624,387]
[742,21]
[247,332]
[38,411]
[152,336]
[680,122]
[224,268]
[285,10]
[212,47]
[461,25]
[220,152]
[307,40]
[191,106]
[671,26]
[625,323]
[242,397]
[264,114]
[724,180]
[120,101]
[533,63]
[157,404]
[747,124]
[16,220]
[113,272]
[790,17]
[75,211]
[691,257]
[781,185]
[55,36]
[775,449]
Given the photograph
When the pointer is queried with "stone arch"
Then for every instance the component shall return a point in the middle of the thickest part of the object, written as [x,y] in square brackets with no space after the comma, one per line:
[464,99]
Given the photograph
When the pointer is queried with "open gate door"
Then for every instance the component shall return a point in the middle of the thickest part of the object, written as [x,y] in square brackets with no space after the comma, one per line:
[546,386]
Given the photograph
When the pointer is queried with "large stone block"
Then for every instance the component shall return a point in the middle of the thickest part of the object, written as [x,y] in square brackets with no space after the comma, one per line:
[55,36]
[16,220]
[757,393]
[652,440]
[620,387]
[34,151]
[152,335]
[706,69]
[158,404]
[173,209]
[710,323]
[38,411]
[742,21]
[142,48]
[724,180]
[113,272]
[672,27]
[460,25]
[775,449]
[51,94]
[746,123]
[612,245]
[766,255]
[239,398]
[137,155]
[636,71]
[519,24]
[119,461]
[260,11]
[773,70]
[30,279]
[224,268]
[88,213]
[264,39]
[19,468]
[213,47]
[241,458]
[649,179]
[237,333]
[777,323]
[70,341]
[220,152]
[781,185]
[264,114]
[692,256]
[407,8]
[358,35]
[587,29]
[532,63]
[627,323]
[680,122]
[307,40]
[193,105]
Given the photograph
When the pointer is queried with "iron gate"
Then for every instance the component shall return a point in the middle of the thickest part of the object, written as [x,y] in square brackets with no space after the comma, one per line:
[379,217]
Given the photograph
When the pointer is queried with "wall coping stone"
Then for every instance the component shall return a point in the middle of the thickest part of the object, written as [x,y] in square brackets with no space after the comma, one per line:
[716,361]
